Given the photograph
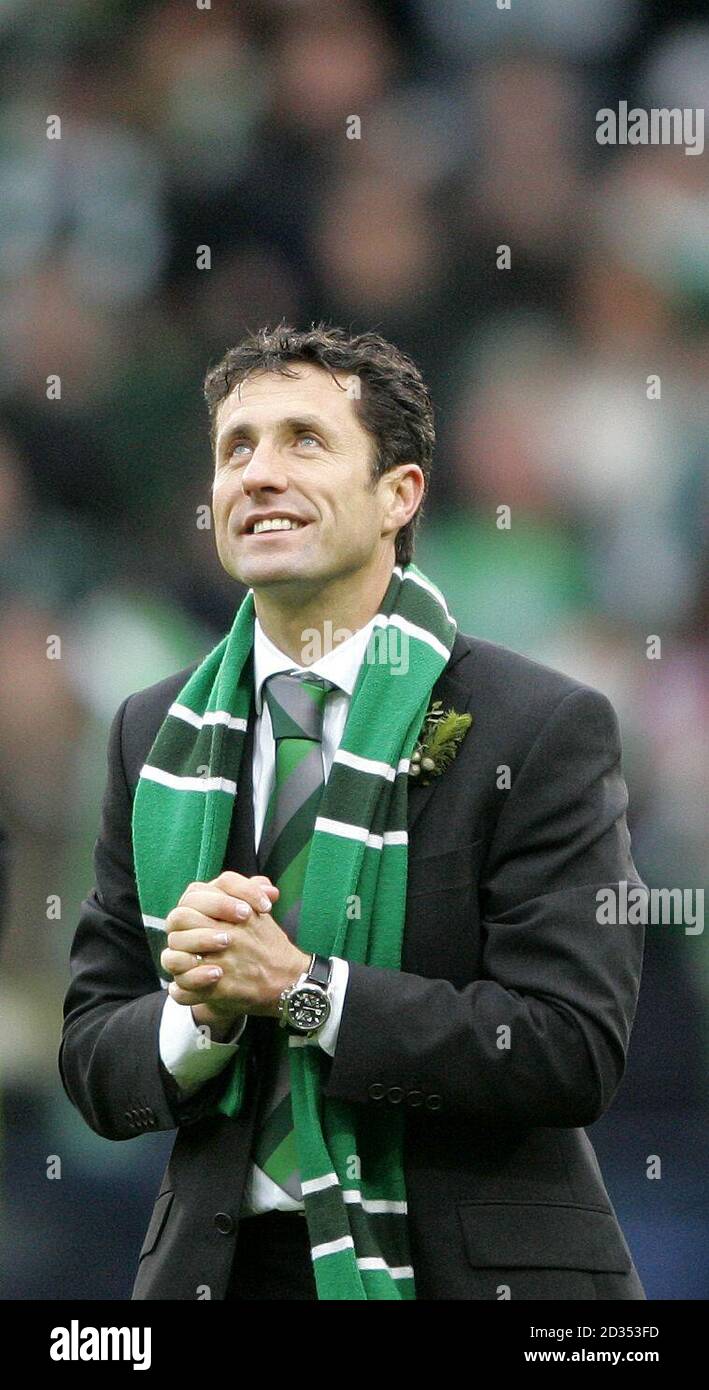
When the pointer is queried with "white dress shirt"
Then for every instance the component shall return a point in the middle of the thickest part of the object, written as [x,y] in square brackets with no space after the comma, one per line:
[182,1043]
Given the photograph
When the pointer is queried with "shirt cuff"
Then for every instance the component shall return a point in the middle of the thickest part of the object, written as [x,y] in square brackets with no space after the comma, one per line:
[326,1038]
[188,1052]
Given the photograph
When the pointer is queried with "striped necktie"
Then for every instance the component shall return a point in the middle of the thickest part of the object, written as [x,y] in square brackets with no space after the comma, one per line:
[296,704]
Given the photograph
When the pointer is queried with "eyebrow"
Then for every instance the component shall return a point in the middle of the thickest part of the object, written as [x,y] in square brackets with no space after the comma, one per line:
[292,423]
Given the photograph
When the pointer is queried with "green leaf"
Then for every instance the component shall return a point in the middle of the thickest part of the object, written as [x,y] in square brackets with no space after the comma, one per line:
[443,737]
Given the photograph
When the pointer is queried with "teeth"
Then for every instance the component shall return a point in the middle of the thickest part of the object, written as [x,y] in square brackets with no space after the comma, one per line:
[276,523]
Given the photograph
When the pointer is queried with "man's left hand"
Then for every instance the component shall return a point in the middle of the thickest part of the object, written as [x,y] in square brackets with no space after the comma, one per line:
[255,957]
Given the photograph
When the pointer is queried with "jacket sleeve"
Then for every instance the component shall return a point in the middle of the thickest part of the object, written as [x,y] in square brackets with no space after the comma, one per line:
[109,1058]
[541,1038]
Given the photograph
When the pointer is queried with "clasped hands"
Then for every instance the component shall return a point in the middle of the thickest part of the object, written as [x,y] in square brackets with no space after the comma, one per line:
[247,958]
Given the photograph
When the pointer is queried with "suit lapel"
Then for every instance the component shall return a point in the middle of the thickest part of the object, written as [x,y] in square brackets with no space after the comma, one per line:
[451,692]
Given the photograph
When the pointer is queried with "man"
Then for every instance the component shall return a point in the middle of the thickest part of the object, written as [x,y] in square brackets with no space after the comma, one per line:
[349,950]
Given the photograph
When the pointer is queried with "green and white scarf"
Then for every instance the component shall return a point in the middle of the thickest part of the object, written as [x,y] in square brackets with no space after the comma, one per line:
[353,906]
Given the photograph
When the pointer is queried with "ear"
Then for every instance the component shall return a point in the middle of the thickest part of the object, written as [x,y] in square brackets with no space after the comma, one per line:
[405,486]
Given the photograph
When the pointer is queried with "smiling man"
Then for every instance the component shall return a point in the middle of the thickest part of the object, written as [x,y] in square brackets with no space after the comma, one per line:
[296,509]
[359,970]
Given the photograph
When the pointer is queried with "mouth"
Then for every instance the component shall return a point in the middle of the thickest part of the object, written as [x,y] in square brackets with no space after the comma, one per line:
[268,530]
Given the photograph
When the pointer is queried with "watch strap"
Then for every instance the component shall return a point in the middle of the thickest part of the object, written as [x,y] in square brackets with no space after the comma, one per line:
[320,970]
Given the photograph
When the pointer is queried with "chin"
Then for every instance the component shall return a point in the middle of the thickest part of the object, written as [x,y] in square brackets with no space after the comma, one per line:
[261,576]
[261,572]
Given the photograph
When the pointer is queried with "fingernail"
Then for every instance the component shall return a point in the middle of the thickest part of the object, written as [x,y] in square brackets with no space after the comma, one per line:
[223,938]
[242,909]
[215,973]
[265,903]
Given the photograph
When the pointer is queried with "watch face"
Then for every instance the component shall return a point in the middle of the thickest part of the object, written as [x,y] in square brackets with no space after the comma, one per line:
[308,1008]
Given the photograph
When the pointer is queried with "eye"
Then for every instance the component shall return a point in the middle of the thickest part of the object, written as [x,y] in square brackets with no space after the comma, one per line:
[239,444]
[308,439]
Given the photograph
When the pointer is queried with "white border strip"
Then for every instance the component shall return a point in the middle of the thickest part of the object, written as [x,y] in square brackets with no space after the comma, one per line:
[198,721]
[188,784]
[319,1184]
[430,588]
[352,1195]
[375,1262]
[375,1207]
[332,1247]
[358,832]
[369,765]
[420,634]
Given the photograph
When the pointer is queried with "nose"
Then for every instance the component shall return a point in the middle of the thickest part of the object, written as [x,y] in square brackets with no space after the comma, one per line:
[264,471]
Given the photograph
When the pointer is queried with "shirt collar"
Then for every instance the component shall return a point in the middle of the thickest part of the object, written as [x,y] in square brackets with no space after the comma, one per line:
[340,665]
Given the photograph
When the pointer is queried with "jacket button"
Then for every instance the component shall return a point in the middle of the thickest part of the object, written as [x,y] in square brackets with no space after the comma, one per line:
[224,1223]
[414,1097]
[434,1102]
[395,1094]
[377,1091]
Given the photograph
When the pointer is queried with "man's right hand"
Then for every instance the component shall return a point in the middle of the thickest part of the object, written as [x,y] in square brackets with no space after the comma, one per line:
[210,905]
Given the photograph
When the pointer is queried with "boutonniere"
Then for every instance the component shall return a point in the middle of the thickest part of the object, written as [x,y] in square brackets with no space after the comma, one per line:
[438,742]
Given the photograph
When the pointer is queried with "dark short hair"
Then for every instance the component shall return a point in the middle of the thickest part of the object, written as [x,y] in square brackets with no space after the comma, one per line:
[393,405]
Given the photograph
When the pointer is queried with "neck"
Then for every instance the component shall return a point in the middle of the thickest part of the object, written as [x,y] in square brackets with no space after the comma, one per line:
[307,625]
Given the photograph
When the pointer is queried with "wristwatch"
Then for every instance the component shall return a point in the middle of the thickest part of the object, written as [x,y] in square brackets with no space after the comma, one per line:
[305,1005]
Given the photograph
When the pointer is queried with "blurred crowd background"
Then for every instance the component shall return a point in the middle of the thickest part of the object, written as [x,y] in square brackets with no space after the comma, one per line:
[227,128]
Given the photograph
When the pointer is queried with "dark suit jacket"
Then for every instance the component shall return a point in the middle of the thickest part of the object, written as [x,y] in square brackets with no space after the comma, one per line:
[504,1188]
